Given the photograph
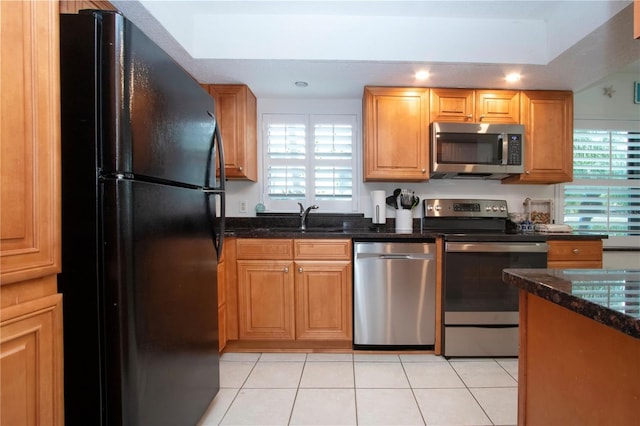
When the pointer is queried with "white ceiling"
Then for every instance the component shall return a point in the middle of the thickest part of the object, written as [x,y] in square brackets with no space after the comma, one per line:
[339,46]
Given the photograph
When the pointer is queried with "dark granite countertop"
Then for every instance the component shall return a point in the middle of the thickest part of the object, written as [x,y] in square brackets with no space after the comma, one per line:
[356,226]
[608,296]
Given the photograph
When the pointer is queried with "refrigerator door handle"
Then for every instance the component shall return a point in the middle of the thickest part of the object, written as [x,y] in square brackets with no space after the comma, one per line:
[211,168]
[217,223]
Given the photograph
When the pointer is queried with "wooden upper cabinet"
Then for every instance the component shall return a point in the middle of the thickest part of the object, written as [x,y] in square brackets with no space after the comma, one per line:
[455,105]
[31,388]
[30,141]
[73,6]
[236,111]
[396,134]
[547,117]
[636,19]
[498,106]
[475,106]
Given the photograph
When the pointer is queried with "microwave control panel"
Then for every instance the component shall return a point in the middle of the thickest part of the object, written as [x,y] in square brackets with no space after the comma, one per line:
[514,149]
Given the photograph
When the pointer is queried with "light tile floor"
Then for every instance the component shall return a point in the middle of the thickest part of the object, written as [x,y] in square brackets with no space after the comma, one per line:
[363,389]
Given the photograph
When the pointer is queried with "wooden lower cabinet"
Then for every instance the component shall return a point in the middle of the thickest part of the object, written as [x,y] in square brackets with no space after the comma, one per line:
[266,298]
[302,293]
[323,300]
[222,303]
[31,362]
[574,254]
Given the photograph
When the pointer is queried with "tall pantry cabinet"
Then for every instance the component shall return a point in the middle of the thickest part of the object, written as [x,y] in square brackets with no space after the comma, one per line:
[31,377]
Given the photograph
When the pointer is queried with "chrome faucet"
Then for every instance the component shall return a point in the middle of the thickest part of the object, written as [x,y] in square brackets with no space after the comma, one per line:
[303,215]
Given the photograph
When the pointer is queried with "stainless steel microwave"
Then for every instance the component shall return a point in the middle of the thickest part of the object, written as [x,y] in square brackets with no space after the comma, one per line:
[476,150]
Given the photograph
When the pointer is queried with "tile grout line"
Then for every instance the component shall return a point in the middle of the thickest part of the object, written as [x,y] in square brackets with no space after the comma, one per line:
[238,390]
[413,393]
[295,397]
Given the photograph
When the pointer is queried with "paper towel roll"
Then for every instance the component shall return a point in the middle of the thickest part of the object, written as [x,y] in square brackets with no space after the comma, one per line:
[379,211]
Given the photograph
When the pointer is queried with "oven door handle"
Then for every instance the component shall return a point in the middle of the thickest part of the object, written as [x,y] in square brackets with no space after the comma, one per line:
[496,247]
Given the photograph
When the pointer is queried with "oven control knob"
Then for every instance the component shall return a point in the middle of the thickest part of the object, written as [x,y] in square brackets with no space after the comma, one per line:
[503,209]
[437,207]
[494,208]
[487,209]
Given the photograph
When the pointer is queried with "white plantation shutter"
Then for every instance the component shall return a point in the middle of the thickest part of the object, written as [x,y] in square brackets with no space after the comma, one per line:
[309,159]
[604,196]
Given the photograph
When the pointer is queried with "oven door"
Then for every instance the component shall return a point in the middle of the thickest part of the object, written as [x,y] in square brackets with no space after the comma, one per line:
[480,311]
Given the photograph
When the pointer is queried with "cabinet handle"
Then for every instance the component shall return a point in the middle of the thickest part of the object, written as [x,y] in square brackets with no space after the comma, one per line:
[469,116]
[575,251]
[481,117]
[286,269]
[300,269]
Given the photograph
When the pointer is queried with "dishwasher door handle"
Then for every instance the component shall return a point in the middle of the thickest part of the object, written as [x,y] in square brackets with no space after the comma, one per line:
[394,256]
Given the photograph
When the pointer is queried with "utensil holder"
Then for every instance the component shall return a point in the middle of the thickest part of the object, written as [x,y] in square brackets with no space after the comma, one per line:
[404,221]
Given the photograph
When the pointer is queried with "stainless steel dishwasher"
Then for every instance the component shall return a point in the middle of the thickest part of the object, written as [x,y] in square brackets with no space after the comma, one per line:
[394,295]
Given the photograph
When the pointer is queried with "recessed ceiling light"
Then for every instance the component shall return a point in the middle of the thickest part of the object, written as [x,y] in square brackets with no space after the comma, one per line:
[301,83]
[422,75]
[513,77]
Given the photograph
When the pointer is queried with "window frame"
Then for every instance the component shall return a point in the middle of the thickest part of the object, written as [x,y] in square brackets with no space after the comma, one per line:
[309,120]
[631,241]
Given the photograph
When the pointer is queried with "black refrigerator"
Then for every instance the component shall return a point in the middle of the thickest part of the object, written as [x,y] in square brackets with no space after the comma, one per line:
[142,229]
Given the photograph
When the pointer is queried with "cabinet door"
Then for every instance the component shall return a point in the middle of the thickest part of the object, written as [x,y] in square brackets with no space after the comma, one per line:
[29,140]
[222,304]
[265,299]
[396,134]
[323,300]
[235,109]
[452,105]
[548,123]
[31,363]
[574,254]
[497,106]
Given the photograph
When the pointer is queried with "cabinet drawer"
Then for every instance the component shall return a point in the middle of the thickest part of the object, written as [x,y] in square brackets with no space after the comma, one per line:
[264,248]
[575,251]
[322,249]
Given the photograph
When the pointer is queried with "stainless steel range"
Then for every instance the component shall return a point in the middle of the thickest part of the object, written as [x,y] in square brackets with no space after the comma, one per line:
[480,311]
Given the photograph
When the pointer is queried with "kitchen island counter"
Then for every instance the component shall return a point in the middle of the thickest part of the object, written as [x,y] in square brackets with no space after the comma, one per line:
[608,296]
[579,346]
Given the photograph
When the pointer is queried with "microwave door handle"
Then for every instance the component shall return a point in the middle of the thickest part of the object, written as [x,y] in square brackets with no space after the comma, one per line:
[504,141]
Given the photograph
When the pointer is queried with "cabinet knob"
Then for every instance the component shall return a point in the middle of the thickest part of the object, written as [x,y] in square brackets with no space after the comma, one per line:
[240,168]
[527,172]
[469,116]
[575,251]
[300,269]
[481,117]
[424,170]
[286,270]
